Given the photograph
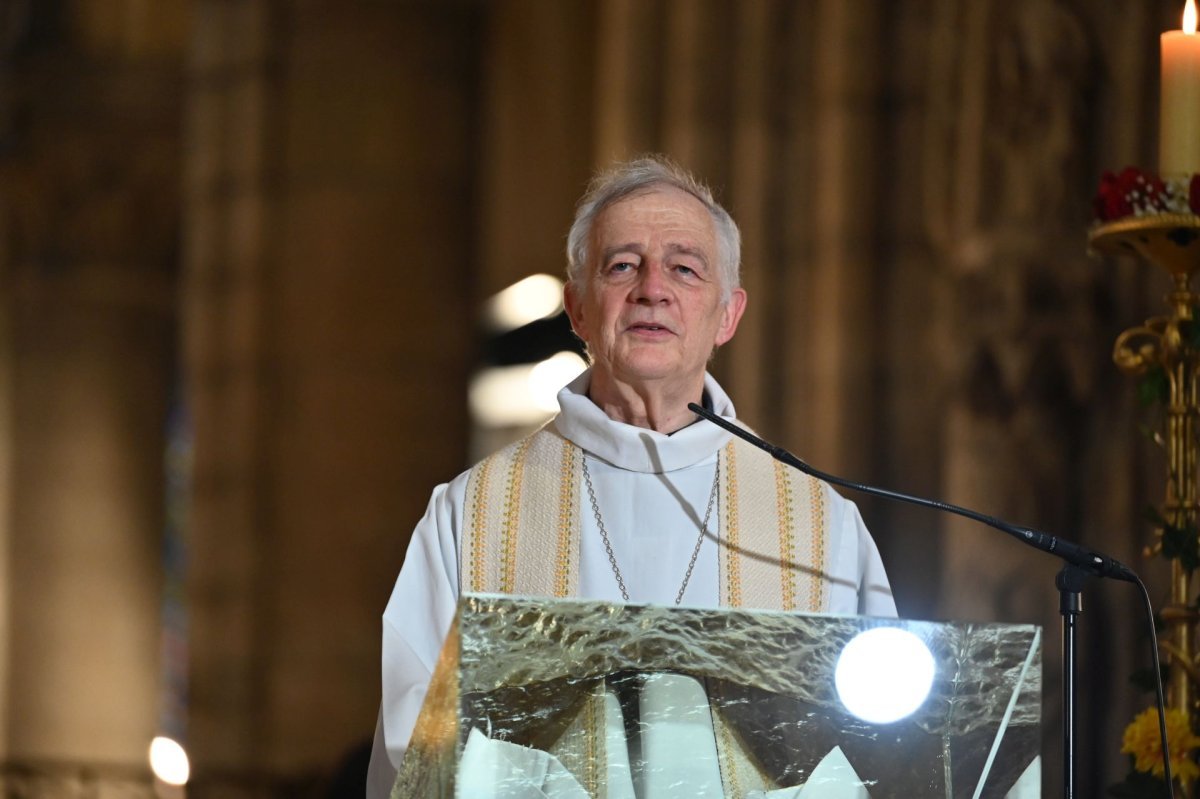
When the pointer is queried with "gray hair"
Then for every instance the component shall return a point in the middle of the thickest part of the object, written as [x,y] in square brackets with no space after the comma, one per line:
[636,177]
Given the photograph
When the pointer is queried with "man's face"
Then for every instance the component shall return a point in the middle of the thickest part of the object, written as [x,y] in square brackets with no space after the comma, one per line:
[652,307]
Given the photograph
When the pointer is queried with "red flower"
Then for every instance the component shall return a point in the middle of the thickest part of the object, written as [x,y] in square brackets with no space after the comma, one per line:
[1194,194]
[1110,202]
[1119,195]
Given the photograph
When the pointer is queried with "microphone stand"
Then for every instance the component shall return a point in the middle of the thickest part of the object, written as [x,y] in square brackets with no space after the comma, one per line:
[1070,581]
[1081,564]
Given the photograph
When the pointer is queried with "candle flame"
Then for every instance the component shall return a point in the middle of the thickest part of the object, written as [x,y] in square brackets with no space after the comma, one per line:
[1189,17]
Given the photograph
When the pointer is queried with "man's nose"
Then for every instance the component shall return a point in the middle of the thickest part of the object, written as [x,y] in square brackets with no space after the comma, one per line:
[652,284]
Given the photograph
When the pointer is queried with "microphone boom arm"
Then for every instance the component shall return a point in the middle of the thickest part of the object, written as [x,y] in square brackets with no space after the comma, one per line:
[1086,559]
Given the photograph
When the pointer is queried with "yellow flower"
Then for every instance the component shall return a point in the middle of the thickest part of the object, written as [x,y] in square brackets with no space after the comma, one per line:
[1142,740]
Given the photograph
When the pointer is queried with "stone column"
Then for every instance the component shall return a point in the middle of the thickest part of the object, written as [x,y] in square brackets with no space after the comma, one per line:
[328,324]
[88,191]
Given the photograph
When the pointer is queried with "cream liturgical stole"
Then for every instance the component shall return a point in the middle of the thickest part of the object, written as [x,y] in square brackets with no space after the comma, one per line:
[524,509]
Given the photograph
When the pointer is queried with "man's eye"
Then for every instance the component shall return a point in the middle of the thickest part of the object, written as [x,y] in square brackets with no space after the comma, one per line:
[685,270]
[622,266]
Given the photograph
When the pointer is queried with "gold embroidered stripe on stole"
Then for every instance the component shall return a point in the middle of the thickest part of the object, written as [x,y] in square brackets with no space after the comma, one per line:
[568,503]
[725,756]
[741,770]
[787,538]
[476,527]
[730,561]
[582,748]
[509,532]
[595,742]
[818,596]
[773,534]
[806,541]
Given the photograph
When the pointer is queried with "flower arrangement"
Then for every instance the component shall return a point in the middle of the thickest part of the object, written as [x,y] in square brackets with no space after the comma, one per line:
[1142,740]
[1136,192]
[1143,744]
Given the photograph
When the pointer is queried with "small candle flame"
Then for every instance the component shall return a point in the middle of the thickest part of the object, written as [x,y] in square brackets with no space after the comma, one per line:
[1189,17]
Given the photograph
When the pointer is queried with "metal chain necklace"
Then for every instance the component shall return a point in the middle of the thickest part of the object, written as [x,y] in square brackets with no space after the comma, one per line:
[612,559]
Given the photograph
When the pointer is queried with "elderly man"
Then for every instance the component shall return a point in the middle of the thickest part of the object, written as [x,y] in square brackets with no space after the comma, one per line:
[625,495]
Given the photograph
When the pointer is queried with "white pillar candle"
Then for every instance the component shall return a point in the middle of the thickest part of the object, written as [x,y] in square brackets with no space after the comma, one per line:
[1179,109]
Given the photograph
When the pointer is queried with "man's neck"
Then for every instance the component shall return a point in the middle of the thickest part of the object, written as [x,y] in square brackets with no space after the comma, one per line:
[655,406]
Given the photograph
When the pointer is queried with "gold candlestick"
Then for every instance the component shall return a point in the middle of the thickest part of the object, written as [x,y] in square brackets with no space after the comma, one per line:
[1172,241]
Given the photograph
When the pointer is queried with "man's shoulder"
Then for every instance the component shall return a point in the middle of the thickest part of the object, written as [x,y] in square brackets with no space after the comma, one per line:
[499,462]
[545,438]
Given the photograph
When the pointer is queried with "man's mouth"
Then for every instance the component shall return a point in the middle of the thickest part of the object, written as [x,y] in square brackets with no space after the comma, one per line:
[648,327]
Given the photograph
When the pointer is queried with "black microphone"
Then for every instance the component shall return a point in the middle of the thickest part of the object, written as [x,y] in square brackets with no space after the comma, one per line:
[1093,562]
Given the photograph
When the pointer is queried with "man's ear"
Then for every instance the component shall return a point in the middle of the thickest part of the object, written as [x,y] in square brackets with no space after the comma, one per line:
[573,304]
[732,314]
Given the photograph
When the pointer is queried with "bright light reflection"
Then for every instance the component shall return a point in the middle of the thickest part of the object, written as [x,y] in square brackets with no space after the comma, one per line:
[1189,17]
[535,297]
[884,674]
[507,396]
[548,377]
[168,761]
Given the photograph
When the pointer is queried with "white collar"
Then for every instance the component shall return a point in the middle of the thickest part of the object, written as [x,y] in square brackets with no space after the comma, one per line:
[639,449]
